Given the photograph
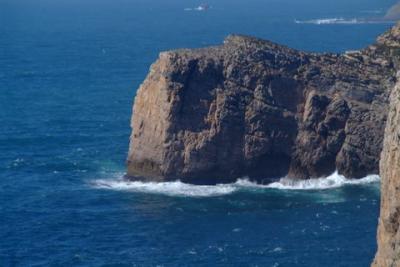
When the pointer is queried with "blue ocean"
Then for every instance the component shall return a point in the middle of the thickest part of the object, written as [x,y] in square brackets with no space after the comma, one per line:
[69,71]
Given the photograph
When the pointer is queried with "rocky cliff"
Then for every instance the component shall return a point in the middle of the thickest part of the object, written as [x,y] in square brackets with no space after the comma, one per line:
[255,108]
[388,232]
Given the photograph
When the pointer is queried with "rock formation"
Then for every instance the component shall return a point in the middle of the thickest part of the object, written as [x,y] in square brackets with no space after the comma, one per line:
[255,108]
[389,232]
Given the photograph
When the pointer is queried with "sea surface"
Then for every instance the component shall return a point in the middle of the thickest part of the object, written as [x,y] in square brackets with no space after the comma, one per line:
[69,71]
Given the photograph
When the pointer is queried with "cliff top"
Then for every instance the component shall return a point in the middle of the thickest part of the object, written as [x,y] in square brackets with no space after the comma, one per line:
[236,44]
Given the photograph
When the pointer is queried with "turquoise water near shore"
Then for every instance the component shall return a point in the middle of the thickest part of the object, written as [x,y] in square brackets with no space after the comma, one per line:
[68,75]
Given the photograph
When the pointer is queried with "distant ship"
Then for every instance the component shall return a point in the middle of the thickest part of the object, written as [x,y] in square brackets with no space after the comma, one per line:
[203,7]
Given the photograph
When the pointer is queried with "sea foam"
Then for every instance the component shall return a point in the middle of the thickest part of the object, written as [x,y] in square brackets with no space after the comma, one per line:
[325,21]
[334,180]
[178,188]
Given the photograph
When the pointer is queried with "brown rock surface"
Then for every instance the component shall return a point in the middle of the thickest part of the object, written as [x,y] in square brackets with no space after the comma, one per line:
[254,108]
[389,232]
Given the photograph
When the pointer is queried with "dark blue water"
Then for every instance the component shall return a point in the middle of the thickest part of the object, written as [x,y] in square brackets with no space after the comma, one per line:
[68,75]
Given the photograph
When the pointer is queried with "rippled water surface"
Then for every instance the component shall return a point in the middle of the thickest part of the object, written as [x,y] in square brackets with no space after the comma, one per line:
[68,75]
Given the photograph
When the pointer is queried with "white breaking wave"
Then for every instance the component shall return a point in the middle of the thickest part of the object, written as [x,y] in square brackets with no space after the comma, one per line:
[325,21]
[178,188]
[334,180]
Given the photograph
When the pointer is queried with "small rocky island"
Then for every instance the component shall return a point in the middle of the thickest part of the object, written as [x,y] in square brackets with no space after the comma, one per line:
[254,108]
[258,109]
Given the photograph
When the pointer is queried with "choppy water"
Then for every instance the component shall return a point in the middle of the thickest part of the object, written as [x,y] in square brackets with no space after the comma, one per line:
[68,74]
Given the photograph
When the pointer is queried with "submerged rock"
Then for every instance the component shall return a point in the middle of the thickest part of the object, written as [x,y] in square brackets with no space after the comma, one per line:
[255,108]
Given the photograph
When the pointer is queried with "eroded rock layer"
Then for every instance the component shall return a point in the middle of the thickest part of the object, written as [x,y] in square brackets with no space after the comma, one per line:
[254,108]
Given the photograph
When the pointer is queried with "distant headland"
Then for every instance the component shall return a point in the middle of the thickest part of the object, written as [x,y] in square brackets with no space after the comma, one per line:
[393,13]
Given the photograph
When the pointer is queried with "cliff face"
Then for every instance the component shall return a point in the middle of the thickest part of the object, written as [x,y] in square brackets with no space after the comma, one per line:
[389,232]
[254,108]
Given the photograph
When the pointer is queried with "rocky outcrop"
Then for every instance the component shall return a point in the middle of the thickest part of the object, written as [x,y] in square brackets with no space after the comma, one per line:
[254,108]
[389,232]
